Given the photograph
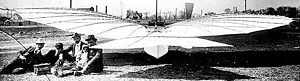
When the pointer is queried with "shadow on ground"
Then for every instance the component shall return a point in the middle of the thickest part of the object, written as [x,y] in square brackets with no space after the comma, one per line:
[122,59]
[197,65]
[224,59]
[188,72]
[238,59]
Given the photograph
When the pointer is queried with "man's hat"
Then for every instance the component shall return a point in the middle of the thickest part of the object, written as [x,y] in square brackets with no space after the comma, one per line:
[40,41]
[89,37]
[76,35]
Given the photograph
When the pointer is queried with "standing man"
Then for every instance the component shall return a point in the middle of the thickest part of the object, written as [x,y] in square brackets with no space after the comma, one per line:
[26,59]
[95,64]
[76,47]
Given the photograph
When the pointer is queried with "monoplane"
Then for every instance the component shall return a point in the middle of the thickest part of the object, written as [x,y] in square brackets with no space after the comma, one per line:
[155,41]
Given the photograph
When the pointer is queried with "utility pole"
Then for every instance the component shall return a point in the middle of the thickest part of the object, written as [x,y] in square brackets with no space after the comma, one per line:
[156,14]
[245,5]
[106,9]
[96,8]
[176,14]
[70,3]
[184,14]
[201,12]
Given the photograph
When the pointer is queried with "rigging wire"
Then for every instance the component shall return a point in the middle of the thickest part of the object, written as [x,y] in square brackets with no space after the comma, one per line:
[13,38]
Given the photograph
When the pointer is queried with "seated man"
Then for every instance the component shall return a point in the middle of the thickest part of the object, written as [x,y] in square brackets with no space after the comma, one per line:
[55,56]
[26,59]
[75,48]
[94,64]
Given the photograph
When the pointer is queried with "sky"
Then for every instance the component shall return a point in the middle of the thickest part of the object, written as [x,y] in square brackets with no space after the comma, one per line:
[118,7]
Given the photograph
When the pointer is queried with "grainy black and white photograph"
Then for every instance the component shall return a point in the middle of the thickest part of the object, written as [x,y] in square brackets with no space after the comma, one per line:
[149,40]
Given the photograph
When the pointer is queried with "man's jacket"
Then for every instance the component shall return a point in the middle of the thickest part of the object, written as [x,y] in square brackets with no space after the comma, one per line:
[72,47]
[33,57]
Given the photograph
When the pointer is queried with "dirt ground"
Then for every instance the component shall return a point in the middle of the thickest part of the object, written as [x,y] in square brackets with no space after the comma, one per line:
[256,56]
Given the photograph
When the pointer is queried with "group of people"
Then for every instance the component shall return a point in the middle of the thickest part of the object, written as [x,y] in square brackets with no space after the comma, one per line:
[86,60]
